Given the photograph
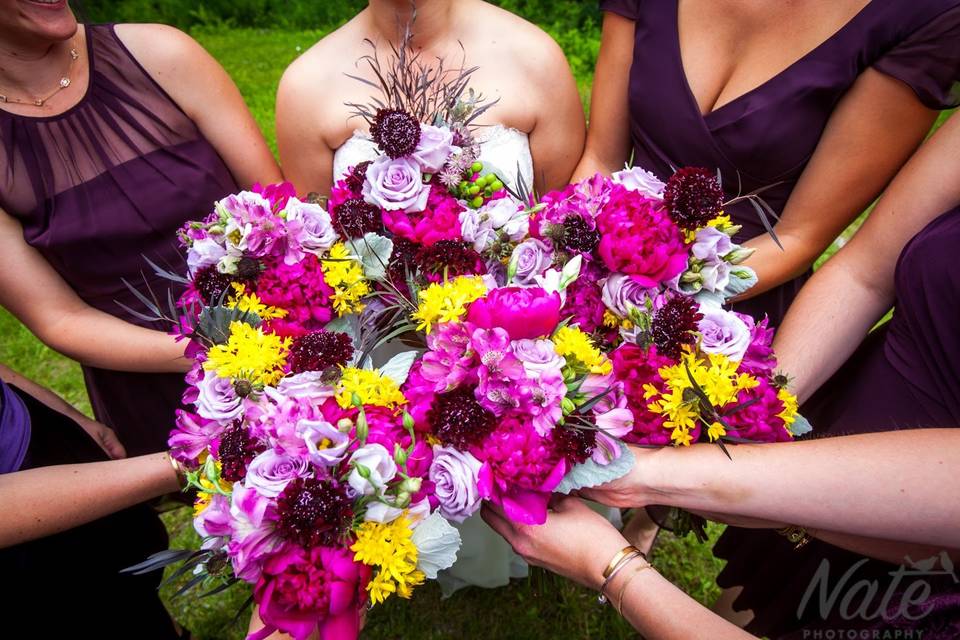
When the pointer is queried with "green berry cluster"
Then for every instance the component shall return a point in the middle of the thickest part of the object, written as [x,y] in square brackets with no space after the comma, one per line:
[477,189]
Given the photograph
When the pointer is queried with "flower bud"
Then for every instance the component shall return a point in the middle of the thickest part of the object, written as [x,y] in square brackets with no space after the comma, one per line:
[344,425]
[362,470]
[399,455]
[739,254]
[568,406]
[410,485]
[363,427]
[403,500]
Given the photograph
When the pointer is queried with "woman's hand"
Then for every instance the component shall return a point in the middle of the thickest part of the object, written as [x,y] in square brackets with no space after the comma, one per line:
[105,437]
[575,542]
[634,490]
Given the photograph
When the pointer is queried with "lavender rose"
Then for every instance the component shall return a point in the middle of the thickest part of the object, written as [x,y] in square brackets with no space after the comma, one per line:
[316,234]
[621,293]
[724,333]
[538,356]
[455,475]
[377,465]
[530,258]
[435,148]
[217,400]
[396,185]
[325,443]
[637,179]
[306,385]
[270,472]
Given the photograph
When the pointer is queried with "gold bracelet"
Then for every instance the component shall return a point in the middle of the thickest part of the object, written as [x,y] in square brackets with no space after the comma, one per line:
[180,470]
[618,558]
[796,535]
[624,561]
[626,581]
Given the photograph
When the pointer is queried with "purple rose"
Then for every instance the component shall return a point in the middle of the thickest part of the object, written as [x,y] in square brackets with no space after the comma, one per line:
[621,293]
[637,179]
[435,148]
[396,185]
[724,333]
[530,258]
[270,472]
[314,229]
[308,385]
[217,400]
[455,475]
[538,356]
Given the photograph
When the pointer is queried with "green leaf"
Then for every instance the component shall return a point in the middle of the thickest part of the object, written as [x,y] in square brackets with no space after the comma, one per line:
[398,367]
[374,252]
[800,427]
[591,474]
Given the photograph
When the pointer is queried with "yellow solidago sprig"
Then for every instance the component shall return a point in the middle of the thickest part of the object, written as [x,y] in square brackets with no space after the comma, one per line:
[448,301]
[343,271]
[249,354]
[369,387]
[573,344]
[251,303]
[390,549]
[717,377]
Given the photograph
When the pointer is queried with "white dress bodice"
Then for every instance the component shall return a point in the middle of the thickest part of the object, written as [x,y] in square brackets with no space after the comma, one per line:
[503,150]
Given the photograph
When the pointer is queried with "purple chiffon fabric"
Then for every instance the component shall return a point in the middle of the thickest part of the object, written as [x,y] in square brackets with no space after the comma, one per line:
[99,188]
[14,430]
[905,375]
[763,139]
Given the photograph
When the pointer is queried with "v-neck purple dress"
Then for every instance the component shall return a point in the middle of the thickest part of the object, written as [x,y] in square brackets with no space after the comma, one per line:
[764,138]
[99,188]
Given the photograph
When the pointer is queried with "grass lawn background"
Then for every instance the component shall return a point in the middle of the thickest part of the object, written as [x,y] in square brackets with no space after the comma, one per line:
[543,606]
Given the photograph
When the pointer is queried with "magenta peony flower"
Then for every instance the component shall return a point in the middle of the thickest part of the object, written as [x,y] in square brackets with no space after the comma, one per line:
[639,238]
[522,312]
[420,394]
[520,470]
[635,367]
[584,303]
[300,290]
[303,590]
[759,421]
[759,360]
[439,220]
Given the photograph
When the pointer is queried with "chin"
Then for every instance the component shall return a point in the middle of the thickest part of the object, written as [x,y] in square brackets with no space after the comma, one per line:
[47,19]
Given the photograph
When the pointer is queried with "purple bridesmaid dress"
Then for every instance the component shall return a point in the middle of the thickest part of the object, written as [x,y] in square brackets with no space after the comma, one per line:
[97,189]
[906,375]
[764,138]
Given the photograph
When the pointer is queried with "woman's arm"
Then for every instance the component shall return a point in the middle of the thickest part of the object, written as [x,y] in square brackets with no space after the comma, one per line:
[578,543]
[855,288]
[879,484]
[608,138]
[36,294]
[871,133]
[44,501]
[200,86]
[101,434]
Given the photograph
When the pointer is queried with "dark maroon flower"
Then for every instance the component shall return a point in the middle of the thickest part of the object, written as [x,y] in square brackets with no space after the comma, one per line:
[578,236]
[357,175]
[458,420]
[314,512]
[211,284]
[575,445]
[674,325]
[451,258]
[249,269]
[693,197]
[235,452]
[355,217]
[320,350]
[396,132]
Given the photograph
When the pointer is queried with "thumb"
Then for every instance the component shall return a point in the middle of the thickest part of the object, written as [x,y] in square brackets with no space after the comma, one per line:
[112,445]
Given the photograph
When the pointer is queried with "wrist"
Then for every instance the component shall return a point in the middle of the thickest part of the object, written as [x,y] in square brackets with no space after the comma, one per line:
[601,559]
[176,473]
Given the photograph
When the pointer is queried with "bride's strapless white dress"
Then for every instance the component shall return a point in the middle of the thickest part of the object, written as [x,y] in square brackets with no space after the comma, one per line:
[485,559]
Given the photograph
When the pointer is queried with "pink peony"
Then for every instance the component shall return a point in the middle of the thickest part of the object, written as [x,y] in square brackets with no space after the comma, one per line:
[522,312]
[440,220]
[419,392]
[585,300]
[759,360]
[520,470]
[303,590]
[635,367]
[639,238]
[300,290]
[757,422]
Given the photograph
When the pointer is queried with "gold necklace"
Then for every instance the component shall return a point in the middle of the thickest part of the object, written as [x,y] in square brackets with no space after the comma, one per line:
[63,84]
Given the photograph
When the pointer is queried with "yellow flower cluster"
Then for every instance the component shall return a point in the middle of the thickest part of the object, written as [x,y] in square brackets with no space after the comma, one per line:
[721,222]
[790,408]
[612,321]
[249,354]
[389,547]
[344,273]
[371,386]
[572,343]
[447,302]
[718,378]
[251,303]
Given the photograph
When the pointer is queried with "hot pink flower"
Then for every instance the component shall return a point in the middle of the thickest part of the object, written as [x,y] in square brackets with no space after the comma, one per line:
[191,436]
[419,393]
[759,360]
[639,238]
[520,470]
[450,361]
[304,590]
[522,312]
[758,421]
[440,220]
[500,373]
[299,289]
[585,300]
[635,367]
[276,194]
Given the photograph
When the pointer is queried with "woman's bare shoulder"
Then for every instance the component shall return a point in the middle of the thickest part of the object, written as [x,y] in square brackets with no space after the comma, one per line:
[520,43]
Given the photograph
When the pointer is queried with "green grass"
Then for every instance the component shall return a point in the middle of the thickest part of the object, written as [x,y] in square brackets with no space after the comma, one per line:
[543,605]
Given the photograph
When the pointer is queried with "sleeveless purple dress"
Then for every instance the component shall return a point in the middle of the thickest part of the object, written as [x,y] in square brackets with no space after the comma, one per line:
[906,375]
[764,138]
[98,188]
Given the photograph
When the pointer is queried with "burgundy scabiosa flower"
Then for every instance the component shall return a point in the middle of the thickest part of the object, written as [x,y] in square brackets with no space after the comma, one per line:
[356,217]
[674,325]
[235,452]
[579,236]
[575,445]
[320,350]
[313,512]
[396,132]
[458,420]
[451,258]
[693,197]
[354,180]
[211,284]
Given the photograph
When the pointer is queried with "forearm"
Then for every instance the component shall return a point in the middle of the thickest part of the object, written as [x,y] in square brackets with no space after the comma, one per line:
[593,163]
[44,395]
[47,500]
[846,469]
[885,550]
